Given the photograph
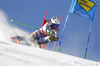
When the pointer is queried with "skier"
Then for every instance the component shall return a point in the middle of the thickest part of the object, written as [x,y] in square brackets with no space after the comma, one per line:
[48,33]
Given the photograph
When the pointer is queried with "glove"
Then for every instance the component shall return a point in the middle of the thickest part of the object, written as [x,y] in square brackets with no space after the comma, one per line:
[50,32]
[52,38]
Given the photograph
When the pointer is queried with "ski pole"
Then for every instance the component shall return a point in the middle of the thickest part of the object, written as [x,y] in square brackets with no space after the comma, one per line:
[29,26]
[24,24]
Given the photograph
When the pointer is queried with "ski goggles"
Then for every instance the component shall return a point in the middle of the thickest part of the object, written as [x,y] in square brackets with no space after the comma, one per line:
[55,25]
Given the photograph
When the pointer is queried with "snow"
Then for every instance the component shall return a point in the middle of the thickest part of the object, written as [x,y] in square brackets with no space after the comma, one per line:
[12,54]
[7,30]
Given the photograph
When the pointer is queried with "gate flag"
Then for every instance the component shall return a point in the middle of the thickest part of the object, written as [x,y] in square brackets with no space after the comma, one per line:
[83,8]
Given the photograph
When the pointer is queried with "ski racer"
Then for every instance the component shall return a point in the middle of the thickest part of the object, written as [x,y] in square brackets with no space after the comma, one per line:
[48,33]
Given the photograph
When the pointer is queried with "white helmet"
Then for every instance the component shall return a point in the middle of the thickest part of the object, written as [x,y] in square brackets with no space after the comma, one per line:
[55,20]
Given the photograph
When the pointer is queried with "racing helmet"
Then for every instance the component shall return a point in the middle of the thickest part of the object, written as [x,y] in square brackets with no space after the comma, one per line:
[55,20]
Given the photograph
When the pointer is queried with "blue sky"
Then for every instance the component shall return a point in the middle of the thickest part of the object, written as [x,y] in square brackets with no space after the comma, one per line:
[31,12]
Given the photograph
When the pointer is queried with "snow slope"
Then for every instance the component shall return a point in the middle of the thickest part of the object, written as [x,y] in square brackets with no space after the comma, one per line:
[12,54]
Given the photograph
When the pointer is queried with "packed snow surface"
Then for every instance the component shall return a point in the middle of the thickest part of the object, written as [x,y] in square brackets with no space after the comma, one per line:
[12,54]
